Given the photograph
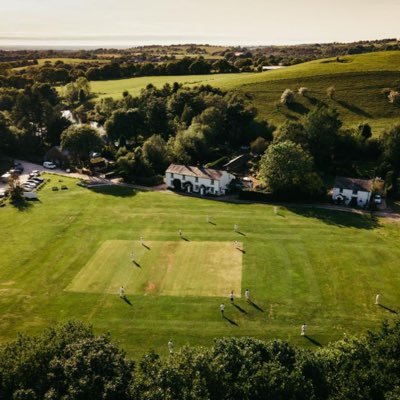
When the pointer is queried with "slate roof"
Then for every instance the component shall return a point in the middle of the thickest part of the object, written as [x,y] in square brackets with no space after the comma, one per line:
[363,185]
[199,172]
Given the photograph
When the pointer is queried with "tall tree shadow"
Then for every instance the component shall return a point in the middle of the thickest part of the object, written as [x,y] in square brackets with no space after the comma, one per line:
[339,218]
[231,321]
[313,341]
[314,101]
[114,190]
[388,309]
[298,108]
[22,205]
[353,108]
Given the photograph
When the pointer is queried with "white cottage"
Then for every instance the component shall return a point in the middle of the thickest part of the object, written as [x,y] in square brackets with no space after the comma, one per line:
[197,179]
[352,192]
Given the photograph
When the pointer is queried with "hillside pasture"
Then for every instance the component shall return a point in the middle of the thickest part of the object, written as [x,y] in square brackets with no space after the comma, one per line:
[358,80]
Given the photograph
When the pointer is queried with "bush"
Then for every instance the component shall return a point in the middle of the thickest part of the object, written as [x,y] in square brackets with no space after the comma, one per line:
[330,92]
[394,97]
[303,91]
[287,97]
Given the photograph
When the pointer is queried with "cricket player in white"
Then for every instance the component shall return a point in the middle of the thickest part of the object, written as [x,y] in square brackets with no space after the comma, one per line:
[170,346]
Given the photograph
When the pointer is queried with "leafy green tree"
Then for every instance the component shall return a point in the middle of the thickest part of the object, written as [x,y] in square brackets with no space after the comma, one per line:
[73,91]
[15,189]
[80,140]
[190,145]
[65,362]
[288,171]
[293,131]
[322,126]
[390,164]
[127,124]
[155,153]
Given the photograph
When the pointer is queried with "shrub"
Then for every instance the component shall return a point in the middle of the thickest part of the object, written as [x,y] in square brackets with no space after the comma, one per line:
[394,97]
[330,92]
[386,91]
[303,91]
[287,97]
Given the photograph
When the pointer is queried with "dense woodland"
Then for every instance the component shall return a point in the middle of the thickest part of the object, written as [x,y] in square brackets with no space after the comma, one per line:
[69,362]
[198,125]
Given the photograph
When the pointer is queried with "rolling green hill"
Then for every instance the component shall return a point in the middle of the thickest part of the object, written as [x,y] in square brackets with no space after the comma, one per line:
[358,79]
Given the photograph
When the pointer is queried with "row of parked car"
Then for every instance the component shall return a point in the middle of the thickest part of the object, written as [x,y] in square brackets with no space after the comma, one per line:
[33,182]
[15,171]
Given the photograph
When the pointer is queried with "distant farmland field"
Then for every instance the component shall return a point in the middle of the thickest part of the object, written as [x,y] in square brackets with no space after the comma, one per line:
[358,80]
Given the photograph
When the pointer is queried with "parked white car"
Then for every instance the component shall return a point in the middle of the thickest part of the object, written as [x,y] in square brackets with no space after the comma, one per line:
[378,199]
[49,165]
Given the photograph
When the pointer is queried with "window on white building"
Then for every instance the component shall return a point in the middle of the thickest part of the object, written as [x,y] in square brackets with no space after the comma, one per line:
[196,179]
[172,175]
[183,177]
[212,181]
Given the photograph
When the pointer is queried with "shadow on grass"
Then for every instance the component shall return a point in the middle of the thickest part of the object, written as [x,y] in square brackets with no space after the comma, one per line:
[257,307]
[231,321]
[239,308]
[241,250]
[126,300]
[353,108]
[339,218]
[145,246]
[21,205]
[212,223]
[185,239]
[136,263]
[111,190]
[314,101]
[388,309]
[298,108]
[313,341]
[240,233]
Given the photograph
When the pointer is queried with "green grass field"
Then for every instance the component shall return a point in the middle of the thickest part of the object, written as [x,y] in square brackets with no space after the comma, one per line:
[359,80]
[65,257]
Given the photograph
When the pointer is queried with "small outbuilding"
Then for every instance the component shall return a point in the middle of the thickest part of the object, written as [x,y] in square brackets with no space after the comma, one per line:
[352,192]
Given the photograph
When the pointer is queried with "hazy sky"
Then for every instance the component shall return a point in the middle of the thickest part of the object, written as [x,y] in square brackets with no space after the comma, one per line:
[212,21]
